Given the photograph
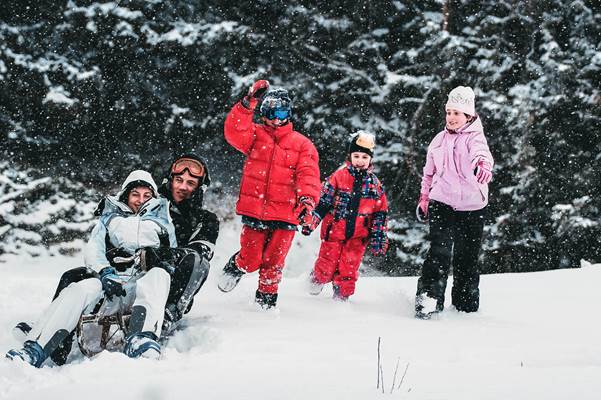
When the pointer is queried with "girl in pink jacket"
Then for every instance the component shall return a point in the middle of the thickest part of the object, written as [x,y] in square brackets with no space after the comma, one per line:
[453,198]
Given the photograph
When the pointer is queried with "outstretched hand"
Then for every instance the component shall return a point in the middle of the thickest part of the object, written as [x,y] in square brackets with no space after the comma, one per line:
[255,92]
[483,172]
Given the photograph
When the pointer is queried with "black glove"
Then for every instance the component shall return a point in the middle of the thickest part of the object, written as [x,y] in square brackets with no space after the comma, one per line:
[110,283]
[161,257]
[120,259]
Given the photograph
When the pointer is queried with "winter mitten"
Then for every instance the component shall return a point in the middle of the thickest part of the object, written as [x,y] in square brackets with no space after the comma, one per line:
[304,210]
[378,244]
[421,211]
[255,92]
[120,258]
[308,229]
[110,283]
[483,172]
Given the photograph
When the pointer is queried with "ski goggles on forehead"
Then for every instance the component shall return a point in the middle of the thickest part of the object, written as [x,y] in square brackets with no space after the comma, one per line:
[278,113]
[194,167]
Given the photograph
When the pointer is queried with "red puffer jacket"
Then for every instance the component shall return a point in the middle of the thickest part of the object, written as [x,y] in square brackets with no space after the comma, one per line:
[281,166]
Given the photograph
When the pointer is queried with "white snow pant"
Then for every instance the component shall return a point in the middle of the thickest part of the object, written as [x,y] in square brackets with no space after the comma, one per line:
[61,317]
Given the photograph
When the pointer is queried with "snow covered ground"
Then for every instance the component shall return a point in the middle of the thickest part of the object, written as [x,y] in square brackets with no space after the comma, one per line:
[537,336]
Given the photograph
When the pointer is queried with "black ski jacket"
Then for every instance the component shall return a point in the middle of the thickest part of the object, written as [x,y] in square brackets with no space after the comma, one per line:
[195,227]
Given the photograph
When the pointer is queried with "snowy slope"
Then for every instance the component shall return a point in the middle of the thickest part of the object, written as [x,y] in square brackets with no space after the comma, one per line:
[537,336]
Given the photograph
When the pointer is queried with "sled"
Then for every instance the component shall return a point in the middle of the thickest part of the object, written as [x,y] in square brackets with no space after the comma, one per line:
[97,333]
[106,327]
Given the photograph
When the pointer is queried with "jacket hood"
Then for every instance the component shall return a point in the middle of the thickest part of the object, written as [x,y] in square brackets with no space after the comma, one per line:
[474,127]
[196,200]
[137,178]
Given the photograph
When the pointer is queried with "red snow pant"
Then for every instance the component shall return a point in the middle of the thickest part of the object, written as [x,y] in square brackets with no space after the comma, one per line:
[264,250]
[338,262]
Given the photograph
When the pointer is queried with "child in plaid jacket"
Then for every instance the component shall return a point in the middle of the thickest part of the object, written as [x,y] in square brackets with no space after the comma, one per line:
[354,211]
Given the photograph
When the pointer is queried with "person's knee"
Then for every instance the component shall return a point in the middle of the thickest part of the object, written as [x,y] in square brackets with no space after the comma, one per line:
[158,275]
[155,279]
[81,293]
[73,275]
[248,263]
[441,250]
[84,287]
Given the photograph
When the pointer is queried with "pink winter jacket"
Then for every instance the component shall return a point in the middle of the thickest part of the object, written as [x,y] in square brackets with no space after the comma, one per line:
[449,171]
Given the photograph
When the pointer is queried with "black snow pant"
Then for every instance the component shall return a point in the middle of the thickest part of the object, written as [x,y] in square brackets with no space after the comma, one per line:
[186,280]
[455,239]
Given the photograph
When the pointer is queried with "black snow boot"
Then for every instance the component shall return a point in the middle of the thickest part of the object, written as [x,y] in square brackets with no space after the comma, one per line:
[337,296]
[266,300]
[230,276]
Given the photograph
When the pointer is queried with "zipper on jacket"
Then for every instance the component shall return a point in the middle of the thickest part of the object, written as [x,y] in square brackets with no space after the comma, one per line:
[268,178]
[139,215]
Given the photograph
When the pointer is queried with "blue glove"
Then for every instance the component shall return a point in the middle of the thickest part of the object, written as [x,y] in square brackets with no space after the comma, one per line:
[110,283]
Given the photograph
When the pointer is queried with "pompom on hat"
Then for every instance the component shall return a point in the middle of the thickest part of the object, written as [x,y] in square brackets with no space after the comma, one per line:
[463,99]
[364,142]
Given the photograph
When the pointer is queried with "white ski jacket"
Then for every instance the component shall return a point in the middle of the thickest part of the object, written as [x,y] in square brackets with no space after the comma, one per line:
[118,225]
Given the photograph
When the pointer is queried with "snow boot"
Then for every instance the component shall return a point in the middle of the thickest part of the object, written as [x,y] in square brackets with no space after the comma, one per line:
[31,353]
[230,276]
[266,300]
[314,287]
[21,330]
[426,306]
[337,296]
[170,320]
[142,344]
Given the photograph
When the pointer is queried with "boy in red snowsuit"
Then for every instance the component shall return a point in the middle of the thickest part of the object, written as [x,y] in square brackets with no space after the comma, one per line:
[279,188]
[354,210]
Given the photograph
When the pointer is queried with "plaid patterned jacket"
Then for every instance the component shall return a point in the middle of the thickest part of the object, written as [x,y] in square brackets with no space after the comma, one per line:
[353,205]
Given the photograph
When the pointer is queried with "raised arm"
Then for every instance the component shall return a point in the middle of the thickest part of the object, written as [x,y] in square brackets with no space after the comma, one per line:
[239,128]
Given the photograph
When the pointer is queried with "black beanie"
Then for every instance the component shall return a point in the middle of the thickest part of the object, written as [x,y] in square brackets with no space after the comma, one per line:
[363,142]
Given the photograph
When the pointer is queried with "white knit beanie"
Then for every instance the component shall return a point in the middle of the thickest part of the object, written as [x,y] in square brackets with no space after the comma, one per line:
[462,98]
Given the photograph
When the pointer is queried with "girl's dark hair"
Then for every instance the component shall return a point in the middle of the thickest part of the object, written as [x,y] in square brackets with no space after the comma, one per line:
[131,186]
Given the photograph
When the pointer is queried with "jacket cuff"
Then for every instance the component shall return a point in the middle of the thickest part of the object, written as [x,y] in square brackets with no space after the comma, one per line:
[248,106]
